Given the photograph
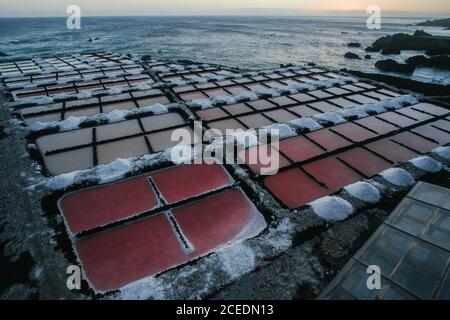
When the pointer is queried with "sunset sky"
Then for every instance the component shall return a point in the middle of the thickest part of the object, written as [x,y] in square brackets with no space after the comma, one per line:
[155,7]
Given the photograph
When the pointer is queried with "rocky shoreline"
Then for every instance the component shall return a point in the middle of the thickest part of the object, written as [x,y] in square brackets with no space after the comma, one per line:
[436,91]
[438,62]
[419,41]
[435,50]
[445,23]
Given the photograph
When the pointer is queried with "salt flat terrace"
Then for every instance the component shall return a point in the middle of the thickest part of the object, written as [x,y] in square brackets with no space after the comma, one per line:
[89,179]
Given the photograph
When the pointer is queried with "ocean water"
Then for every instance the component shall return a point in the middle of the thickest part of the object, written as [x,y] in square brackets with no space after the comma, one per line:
[246,42]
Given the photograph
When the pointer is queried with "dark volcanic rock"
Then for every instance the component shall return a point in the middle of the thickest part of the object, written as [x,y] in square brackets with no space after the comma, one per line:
[146,57]
[393,66]
[421,41]
[350,55]
[372,49]
[417,60]
[421,33]
[439,62]
[388,51]
[428,89]
[436,23]
[186,61]
[439,48]
[354,45]
[367,57]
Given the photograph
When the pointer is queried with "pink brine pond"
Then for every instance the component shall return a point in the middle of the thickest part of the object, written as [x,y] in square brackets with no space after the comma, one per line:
[212,214]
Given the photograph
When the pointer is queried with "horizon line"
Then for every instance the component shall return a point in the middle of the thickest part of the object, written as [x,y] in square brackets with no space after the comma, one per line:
[337,13]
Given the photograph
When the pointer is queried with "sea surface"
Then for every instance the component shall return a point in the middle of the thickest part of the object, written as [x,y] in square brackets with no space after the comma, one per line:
[246,42]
